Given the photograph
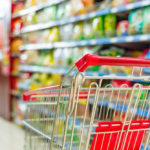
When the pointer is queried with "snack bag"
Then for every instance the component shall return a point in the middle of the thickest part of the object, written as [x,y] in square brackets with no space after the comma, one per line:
[53,34]
[67,29]
[110,25]
[50,13]
[135,22]
[122,28]
[16,25]
[30,19]
[98,27]
[59,57]
[15,44]
[88,33]
[61,11]
[78,31]
[49,59]
[78,7]
[146,19]
[88,4]
[118,2]
[30,3]
[16,7]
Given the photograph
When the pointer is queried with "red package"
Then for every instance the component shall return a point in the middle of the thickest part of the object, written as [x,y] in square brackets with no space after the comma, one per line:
[122,28]
[16,7]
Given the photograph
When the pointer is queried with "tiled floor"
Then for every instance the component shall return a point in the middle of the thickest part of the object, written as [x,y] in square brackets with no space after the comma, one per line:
[11,136]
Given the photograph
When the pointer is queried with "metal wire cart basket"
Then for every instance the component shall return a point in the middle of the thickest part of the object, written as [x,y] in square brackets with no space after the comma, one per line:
[89,113]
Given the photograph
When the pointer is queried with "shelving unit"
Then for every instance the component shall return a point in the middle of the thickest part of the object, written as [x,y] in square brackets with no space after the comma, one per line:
[35,8]
[91,42]
[74,19]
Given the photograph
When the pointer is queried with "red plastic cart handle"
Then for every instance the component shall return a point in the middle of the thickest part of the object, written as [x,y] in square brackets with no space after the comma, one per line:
[93,60]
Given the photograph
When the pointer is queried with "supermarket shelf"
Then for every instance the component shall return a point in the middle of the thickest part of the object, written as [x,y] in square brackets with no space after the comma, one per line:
[63,71]
[43,69]
[36,8]
[30,68]
[42,46]
[90,42]
[121,107]
[60,22]
[87,16]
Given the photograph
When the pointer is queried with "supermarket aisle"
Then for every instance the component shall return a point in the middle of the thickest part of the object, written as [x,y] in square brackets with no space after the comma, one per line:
[11,136]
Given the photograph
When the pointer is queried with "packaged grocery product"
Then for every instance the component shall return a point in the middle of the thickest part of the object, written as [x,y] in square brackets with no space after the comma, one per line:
[66,32]
[44,36]
[112,51]
[110,25]
[30,19]
[61,13]
[59,58]
[68,57]
[116,52]
[78,31]
[135,21]
[16,25]
[17,7]
[14,83]
[30,3]
[130,1]
[88,33]
[122,28]
[27,57]
[98,27]
[15,66]
[68,9]
[146,19]
[54,34]
[55,79]
[15,44]
[50,13]
[88,4]
[78,10]
[41,58]
[49,59]
[105,4]
[118,2]
[33,37]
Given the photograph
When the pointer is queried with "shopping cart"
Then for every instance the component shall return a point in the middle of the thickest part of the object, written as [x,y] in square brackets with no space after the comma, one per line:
[88,113]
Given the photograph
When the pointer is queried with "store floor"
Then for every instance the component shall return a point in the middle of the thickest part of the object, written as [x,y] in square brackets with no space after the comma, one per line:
[11,136]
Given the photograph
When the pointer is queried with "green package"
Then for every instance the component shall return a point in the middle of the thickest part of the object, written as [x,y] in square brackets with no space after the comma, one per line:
[78,31]
[61,11]
[98,27]
[51,13]
[110,25]
[135,22]
[88,33]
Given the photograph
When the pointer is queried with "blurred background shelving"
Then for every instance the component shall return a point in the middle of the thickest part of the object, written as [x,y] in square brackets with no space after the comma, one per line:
[47,37]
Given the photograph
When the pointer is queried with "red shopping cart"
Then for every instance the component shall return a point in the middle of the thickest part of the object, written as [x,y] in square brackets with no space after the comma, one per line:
[80,113]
